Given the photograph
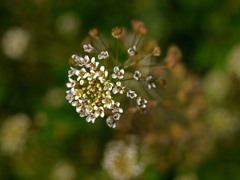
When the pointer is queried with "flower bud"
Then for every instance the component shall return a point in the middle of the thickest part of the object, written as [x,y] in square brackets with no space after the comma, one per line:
[156,51]
[93,33]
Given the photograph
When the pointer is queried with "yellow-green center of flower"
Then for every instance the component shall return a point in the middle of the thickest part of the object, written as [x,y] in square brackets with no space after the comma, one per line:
[108,85]
[79,93]
[89,108]
[108,100]
[101,73]
[119,73]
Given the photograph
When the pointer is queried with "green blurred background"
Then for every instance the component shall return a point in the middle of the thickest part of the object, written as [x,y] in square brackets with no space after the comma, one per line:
[33,76]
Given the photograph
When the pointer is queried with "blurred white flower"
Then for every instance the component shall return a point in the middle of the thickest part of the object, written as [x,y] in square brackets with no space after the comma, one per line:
[68,24]
[13,133]
[15,42]
[216,85]
[40,119]
[63,171]
[55,97]
[121,160]
[222,122]
[234,61]
[150,82]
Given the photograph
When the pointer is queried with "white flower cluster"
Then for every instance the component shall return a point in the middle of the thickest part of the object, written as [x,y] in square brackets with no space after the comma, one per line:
[91,92]
[92,88]
[121,160]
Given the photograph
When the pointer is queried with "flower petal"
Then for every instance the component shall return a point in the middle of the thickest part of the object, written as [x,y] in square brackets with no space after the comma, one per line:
[114,76]
[116,69]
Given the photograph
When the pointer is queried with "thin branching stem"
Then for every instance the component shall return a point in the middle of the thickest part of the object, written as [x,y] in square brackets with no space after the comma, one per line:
[139,40]
[103,43]
[135,62]
[127,79]
[117,51]
[153,65]
[134,38]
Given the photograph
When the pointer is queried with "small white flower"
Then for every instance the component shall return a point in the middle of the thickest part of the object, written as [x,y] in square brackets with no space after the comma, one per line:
[137,75]
[118,88]
[116,32]
[103,55]
[89,109]
[92,75]
[116,116]
[117,73]
[111,122]
[78,93]
[72,72]
[99,111]
[91,117]
[82,112]
[141,102]
[108,86]
[150,82]
[88,48]
[132,51]
[93,65]
[102,73]
[108,102]
[76,57]
[82,74]
[71,83]
[70,95]
[131,94]
[79,104]
[116,108]
[84,61]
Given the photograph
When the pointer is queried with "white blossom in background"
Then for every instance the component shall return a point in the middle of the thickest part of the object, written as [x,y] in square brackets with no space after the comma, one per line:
[150,82]
[13,134]
[222,122]
[54,97]
[216,85]
[234,61]
[122,161]
[68,24]
[15,42]
[63,171]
